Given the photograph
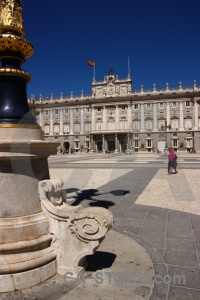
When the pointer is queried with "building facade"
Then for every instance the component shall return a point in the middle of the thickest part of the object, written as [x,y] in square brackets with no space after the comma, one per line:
[115,118]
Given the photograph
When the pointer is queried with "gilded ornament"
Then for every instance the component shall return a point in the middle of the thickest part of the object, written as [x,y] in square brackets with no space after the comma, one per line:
[11,16]
[15,43]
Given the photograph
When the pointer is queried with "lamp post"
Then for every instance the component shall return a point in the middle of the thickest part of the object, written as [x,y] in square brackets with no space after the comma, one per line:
[164,128]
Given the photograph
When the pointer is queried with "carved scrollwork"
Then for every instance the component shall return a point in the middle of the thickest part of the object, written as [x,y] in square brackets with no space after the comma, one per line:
[91,224]
[51,190]
[77,231]
[15,43]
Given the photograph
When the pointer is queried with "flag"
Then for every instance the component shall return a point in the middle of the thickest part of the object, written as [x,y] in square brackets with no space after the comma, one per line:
[90,63]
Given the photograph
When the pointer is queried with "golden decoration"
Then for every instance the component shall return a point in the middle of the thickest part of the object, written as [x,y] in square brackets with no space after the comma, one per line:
[15,43]
[20,126]
[15,72]
[11,16]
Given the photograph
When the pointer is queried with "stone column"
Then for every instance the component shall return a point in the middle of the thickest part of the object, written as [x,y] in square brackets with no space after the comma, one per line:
[142,129]
[104,118]
[51,122]
[71,126]
[41,119]
[155,121]
[82,120]
[103,143]
[181,116]
[128,141]
[93,119]
[116,117]
[116,143]
[168,115]
[129,117]
[106,144]
[61,122]
[195,115]
[92,143]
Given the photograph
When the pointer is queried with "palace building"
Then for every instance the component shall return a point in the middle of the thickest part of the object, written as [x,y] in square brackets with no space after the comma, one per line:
[115,118]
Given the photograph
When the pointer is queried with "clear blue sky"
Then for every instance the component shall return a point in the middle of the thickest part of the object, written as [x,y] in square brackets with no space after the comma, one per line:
[161,38]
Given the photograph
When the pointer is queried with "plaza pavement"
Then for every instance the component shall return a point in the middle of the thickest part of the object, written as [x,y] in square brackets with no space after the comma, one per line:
[155,237]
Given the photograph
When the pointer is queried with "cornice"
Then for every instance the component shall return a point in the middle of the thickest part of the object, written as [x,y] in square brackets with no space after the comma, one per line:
[131,98]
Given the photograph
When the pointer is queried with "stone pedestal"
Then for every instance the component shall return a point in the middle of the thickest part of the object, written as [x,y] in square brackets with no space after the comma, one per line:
[26,255]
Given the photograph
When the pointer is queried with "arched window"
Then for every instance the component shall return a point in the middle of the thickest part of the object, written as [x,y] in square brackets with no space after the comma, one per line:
[188,123]
[149,125]
[99,124]
[66,128]
[76,128]
[87,127]
[136,125]
[56,128]
[175,124]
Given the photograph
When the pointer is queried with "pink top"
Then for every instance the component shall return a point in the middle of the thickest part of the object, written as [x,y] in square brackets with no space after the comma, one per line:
[171,156]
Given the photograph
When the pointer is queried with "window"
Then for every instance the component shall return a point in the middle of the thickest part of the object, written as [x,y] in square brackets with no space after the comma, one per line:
[76,145]
[99,125]
[46,112]
[187,103]
[87,127]
[66,111]
[66,128]
[148,105]
[76,110]
[136,125]
[175,124]
[123,107]
[76,128]
[56,129]
[136,144]
[135,106]
[188,124]
[149,125]
[174,143]
[99,108]
[46,129]
[56,112]
[111,126]
[123,124]
[188,143]
[87,109]
[161,124]
[174,104]
[149,143]
[87,145]
[161,105]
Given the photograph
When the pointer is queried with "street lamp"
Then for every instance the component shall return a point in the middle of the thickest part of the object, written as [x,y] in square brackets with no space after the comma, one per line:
[165,127]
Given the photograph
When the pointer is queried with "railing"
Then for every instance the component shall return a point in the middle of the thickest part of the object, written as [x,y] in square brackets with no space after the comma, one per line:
[141,92]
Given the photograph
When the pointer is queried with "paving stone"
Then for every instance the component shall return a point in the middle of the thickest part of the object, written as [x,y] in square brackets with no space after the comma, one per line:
[178,232]
[179,293]
[180,244]
[184,276]
[153,223]
[181,258]
[146,231]
[157,296]
[160,286]
[131,222]
[132,229]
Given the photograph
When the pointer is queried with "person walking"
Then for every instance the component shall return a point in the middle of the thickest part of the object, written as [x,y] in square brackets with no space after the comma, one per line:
[172,162]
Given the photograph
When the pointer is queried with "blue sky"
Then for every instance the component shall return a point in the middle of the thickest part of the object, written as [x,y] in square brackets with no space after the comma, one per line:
[161,39]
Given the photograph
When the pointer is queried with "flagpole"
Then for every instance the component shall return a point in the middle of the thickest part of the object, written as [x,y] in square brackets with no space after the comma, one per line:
[129,73]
